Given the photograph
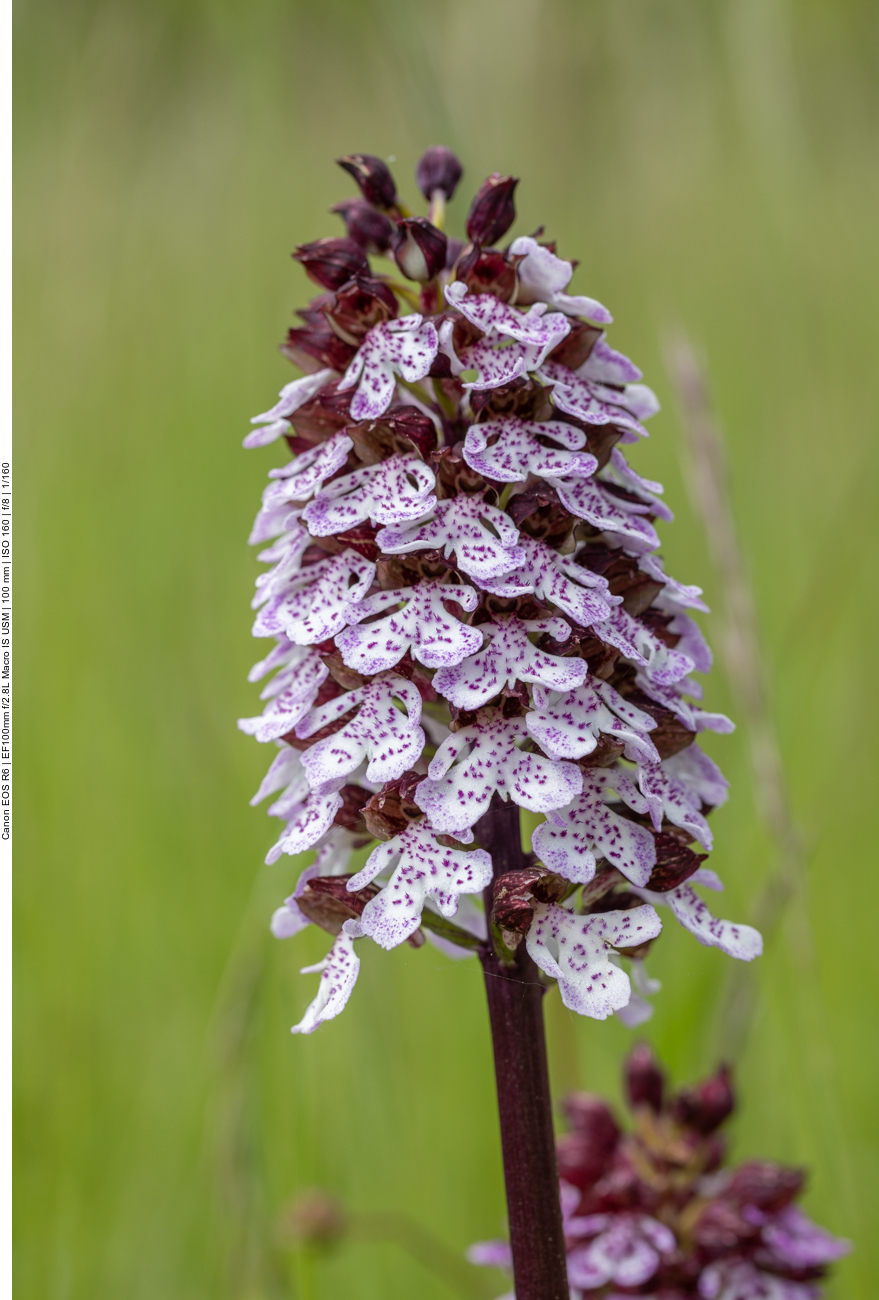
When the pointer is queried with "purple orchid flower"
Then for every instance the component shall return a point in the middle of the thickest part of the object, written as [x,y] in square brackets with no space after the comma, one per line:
[469,617]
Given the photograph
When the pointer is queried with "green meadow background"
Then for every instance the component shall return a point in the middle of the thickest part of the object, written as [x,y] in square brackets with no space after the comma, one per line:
[711,163]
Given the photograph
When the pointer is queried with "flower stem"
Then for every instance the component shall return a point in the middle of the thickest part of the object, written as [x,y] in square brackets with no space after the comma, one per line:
[515,1008]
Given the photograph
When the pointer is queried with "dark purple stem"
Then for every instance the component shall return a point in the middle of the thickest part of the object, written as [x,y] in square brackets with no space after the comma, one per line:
[515,1008]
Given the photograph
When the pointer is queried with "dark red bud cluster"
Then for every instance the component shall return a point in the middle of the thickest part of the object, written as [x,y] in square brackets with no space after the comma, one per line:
[373,178]
[438,169]
[419,248]
[492,211]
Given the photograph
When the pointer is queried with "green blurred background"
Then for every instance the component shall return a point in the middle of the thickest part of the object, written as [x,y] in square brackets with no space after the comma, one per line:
[711,162]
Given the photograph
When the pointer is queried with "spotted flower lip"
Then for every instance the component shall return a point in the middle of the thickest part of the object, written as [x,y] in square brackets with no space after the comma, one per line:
[391,492]
[389,738]
[405,347]
[735,939]
[596,403]
[516,451]
[421,869]
[483,539]
[423,627]
[543,277]
[315,603]
[338,975]
[468,609]
[576,835]
[557,579]
[570,723]
[625,1251]
[574,950]
[508,656]
[475,762]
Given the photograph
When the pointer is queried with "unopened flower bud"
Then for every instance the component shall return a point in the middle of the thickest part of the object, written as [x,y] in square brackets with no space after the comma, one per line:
[332,262]
[492,211]
[375,182]
[586,1153]
[370,229]
[438,169]
[419,248]
[768,1186]
[706,1106]
[644,1080]
[314,1218]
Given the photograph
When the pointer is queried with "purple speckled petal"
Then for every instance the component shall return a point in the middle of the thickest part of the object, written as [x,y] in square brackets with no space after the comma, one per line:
[473,763]
[594,403]
[516,452]
[507,657]
[435,637]
[315,605]
[405,347]
[285,771]
[683,596]
[698,774]
[606,366]
[391,492]
[292,695]
[619,472]
[536,328]
[570,726]
[558,579]
[287,553]
[389,738]
[692,717]
[667,797]
[311,821]
[305,474]
[338,975]
[292,396]
[740,941]
[462,526]
[797,1242]
[692,642]
[422,868]
[543,277]
[630,636]
[574,837]
[496,366]
[574,950]
[588,500]
[287,920]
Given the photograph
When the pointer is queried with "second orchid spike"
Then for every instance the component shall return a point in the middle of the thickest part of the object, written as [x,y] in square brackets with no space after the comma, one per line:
[438,169]
[419,248]
[373,178]
[492,211]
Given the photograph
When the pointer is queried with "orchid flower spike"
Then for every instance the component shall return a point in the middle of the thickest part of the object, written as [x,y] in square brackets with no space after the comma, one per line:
[469,616]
